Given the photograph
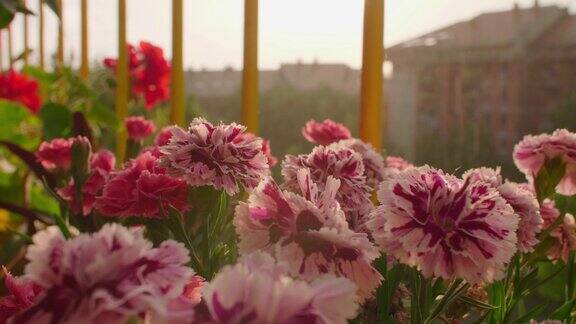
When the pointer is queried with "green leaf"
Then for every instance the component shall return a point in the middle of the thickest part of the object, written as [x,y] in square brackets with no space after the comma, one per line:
[548,178]
[21,56]
[5,17]
[456,290]
[53,5]
[563,312]
[57,121]
[531,314]
[8,8]
[19,125]
[476,303]
[43,202]
[103,115]
[15,6]
[45,78]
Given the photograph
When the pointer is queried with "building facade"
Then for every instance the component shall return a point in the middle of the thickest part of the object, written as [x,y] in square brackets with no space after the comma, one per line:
[302,76]
[482,83]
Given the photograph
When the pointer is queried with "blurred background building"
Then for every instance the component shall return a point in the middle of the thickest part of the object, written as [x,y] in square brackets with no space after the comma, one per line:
[457,97]
[482,83]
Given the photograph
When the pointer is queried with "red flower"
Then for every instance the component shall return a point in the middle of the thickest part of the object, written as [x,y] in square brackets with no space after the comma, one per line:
[139,128]
[133,60]
[326,132]
[149,72]
[21,294]
[164,136]
[152,80]
[18,87]
[101,165]
[140,189]
[56,153]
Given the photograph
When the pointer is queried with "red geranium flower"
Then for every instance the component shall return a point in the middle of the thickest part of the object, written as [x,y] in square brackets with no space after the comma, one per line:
[149,73]
[18,87]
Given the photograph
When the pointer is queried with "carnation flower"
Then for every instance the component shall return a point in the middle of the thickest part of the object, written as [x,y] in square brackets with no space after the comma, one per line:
[109,276]
[267,151]
[57,153]
[222,156]
[394,164]
[533,151]
[373,162]
[19,88]
[325,132]
[310,234]
[258,290]
[142,188]
[149,73]
[336,161]
[164,136]
[101,165]
[564,235]
[521,198]
[525,205]
[21,294]
[139,127]
[447,227]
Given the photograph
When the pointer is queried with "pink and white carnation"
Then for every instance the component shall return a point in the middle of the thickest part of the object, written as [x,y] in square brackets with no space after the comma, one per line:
[446,227]
[142,188]
[310,234]
[373,162]
[533,151]
[336,161]
[109,276]
[525,205]
[221,156]
[521,198]
[326,132]
[564,235]
[138,127]
[259,290]
[101,165]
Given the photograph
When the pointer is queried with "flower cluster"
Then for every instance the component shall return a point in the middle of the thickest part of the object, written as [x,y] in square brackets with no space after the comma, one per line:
[110,276]
[445,226]
[149,71]
[308,232]
[20,88]
[259,290]
[313,249]
[338,161]
[223,156]
[142,188]
[532,152]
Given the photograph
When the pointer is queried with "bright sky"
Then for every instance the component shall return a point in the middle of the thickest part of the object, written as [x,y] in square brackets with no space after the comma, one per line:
[290,30]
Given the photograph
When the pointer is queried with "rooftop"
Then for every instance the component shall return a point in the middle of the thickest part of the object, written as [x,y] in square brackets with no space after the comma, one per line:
[516,28]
